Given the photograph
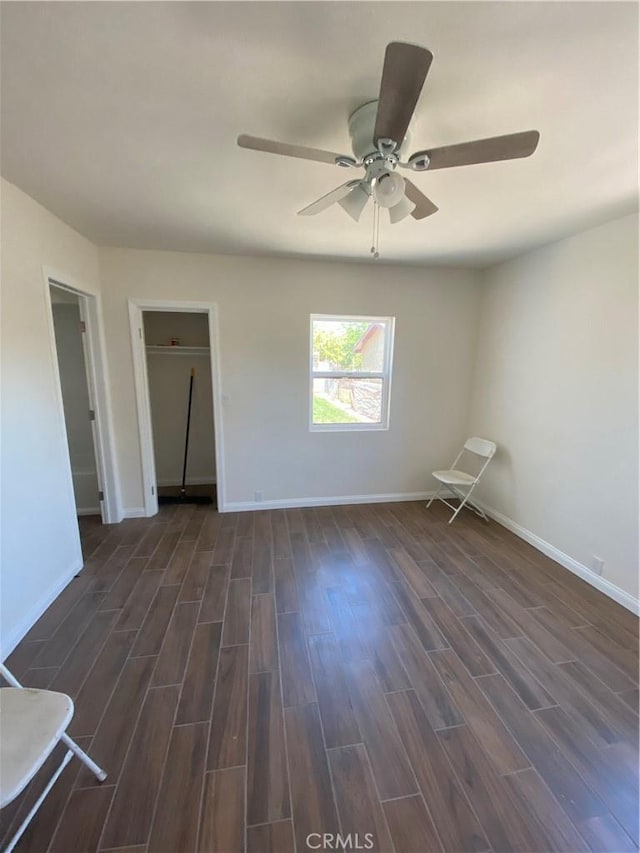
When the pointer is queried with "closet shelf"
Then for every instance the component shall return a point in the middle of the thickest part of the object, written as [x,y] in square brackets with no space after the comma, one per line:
[169,350]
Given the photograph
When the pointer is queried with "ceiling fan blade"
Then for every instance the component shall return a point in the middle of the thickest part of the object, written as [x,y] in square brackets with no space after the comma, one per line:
[509,147]
[423,206]
[327,200]
[403,75]
[256,143]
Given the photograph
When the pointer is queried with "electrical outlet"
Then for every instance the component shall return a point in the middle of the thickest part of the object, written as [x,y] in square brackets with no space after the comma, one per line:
[257,496]
[597,565]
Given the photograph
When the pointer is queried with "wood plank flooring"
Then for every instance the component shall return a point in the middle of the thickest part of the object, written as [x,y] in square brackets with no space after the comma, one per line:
[254,681]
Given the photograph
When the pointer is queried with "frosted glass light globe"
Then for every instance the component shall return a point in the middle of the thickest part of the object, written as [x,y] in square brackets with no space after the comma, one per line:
[388,189]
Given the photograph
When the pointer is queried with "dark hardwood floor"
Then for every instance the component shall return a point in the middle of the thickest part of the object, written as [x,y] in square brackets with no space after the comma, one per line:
[253,681]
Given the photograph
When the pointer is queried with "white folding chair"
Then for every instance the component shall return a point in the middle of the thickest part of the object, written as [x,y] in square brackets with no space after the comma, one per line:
[32,722]
[457,480]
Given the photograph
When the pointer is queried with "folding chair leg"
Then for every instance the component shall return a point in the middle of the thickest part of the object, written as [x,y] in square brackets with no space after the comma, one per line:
[435,496]
[98,772]
[34,808]
[462,503]
[479,512]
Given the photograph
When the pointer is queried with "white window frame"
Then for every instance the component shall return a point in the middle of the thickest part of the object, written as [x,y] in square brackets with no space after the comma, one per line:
[385,374]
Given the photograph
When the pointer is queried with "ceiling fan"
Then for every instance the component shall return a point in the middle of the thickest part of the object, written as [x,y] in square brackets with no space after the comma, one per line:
[380,137]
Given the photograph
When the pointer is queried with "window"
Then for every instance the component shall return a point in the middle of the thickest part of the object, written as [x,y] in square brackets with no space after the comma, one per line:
[350,372]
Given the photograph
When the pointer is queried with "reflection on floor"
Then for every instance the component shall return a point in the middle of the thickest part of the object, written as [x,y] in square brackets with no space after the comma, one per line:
[251,679]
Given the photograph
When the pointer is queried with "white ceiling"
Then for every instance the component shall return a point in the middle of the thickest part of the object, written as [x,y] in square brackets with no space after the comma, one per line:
[121,118]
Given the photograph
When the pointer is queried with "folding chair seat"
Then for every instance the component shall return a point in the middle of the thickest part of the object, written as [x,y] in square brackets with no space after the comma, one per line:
[32,723]
[456,480]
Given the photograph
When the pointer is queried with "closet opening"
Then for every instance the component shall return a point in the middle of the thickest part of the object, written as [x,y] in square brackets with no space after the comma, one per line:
[73,357]
[180,386]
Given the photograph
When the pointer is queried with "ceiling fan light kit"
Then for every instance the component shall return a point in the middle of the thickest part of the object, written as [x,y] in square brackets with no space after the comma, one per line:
[401,210]
[355,202]
[380,136]
[388,189]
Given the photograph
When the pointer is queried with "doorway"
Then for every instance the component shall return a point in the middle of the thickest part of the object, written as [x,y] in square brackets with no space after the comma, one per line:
[181,400]
[70,329]
[176,360]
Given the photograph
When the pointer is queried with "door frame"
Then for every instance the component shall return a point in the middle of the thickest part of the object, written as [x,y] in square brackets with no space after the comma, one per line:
[97,386]
[141,381]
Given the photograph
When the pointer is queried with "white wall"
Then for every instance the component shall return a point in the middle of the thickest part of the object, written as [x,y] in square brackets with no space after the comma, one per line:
[264,307]
[75,398]
[168,372]
[556,386]
[36,482]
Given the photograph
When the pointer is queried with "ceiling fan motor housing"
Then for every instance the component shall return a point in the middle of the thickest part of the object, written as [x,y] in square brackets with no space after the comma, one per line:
[361,127]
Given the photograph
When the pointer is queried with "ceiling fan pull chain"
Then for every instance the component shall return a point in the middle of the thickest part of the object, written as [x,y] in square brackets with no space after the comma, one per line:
[376,254]
[373,233]
[376,231]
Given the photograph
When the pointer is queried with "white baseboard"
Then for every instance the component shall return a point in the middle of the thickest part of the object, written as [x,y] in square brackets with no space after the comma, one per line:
[191,481]
[296,503]
[624,598]
[9,643]
[610,589]
[88,510]
[134,512]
